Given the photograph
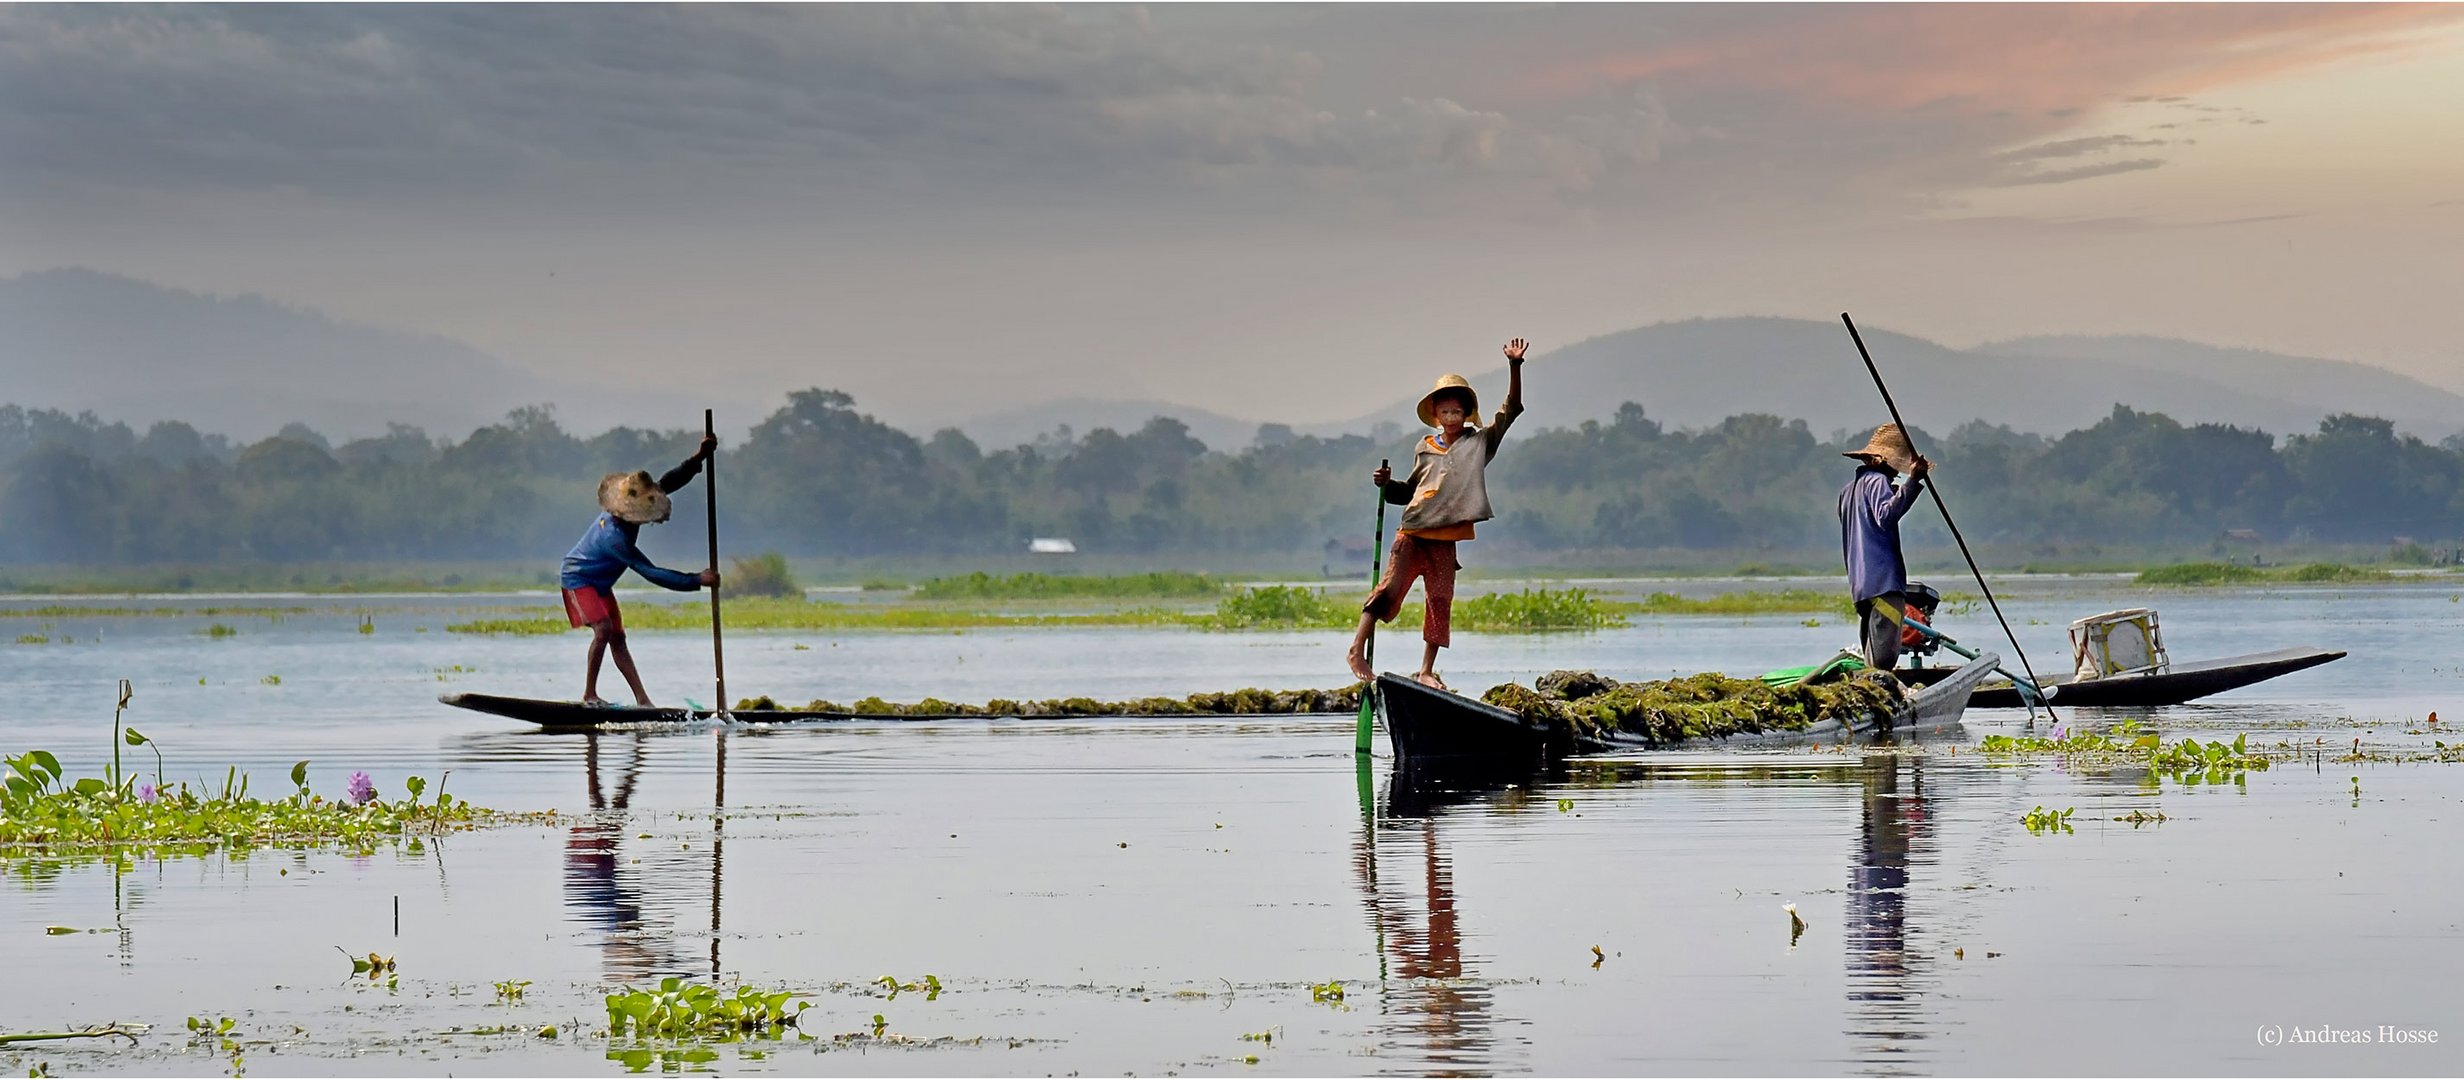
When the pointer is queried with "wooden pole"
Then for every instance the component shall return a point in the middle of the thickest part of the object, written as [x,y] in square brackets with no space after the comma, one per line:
[1361,735]
[710,499]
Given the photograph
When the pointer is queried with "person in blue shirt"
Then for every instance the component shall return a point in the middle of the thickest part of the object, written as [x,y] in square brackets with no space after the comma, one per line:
[627,501]
[1869,511]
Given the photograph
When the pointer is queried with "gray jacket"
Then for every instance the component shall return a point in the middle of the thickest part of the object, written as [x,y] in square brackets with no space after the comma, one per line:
[1448,487]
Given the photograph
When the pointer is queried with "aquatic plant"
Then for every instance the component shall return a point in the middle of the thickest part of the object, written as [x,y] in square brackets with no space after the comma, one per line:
[929,986]
[1754,602]
[2041,821]
[2191,761]
[765,574]
[44,816]
[1328,992]
[1283,606]
[2215,573]
[678,1009]
[1536,610]
[1168,584]
[1708,705]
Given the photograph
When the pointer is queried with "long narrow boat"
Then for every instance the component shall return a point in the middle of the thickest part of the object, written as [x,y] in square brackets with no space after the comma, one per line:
[1437,729]
[575,716]
[2172,685]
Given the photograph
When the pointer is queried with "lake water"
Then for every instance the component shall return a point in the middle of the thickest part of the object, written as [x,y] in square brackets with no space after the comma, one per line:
[1138,895]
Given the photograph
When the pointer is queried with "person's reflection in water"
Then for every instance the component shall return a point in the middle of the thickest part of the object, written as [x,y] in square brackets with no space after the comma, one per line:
[597,893]
[1445,1016]
[1886,1015]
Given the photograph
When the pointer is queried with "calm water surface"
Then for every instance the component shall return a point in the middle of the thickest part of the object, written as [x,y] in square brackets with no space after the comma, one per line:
[1135,896]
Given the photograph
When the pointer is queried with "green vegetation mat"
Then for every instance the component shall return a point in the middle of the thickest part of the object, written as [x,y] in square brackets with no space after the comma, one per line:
[1703,706]
[1243,702]
[2213,573]
[1031,586]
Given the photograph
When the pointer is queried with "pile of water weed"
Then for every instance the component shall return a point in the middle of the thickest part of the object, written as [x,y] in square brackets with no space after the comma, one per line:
[1705,706]
[1248,701]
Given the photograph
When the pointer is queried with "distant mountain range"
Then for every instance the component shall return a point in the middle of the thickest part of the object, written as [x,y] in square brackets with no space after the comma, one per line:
[1695,372]
[240,366]
[244,366]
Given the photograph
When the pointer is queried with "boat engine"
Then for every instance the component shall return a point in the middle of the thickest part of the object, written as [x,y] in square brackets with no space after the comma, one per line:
[1922,600]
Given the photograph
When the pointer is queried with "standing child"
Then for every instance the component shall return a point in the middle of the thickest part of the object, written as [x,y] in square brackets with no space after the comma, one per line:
[1446,494]
[628,501]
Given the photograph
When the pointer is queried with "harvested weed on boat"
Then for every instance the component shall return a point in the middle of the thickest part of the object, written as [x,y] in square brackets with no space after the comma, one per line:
[1248,701]
[1705,706]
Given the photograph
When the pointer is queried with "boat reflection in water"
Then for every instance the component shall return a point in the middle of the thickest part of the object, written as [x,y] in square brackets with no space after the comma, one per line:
[1886,1018]
[1442,1009]
[602,891]
[1434,1007]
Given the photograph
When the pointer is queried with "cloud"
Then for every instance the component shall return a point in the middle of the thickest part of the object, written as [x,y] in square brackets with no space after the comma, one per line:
[2083,172]
[877,111]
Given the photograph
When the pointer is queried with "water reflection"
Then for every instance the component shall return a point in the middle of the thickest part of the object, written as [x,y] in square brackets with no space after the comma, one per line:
[603,892]
[1433,1007]
[1886,1012]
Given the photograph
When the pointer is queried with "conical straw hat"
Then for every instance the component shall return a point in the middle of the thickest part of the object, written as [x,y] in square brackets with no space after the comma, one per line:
[1889,446]
[1428,402]
[634,497]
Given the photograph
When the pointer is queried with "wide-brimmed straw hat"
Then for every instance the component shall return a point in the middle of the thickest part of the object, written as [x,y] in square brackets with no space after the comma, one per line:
[634,497]
[1890,447]
[1456,383]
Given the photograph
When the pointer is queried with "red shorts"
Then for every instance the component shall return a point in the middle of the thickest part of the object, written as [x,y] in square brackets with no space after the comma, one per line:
[589,606]
[1433,562]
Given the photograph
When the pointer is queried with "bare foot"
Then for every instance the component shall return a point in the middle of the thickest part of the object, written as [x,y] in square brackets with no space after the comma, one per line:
[1360,664]
[1430,680]
[644,702]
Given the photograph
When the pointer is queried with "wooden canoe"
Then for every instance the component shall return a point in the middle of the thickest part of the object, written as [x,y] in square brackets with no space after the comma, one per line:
[2172,686]
[1437,729]
[575,716]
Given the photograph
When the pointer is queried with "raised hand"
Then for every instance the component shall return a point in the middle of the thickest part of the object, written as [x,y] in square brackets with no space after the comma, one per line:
[1383,476]
[1514,350]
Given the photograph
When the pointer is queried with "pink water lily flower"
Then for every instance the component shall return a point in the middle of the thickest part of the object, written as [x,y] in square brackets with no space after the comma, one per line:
[361,790]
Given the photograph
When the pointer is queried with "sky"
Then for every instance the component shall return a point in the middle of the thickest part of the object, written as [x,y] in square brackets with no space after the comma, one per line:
[1284,212]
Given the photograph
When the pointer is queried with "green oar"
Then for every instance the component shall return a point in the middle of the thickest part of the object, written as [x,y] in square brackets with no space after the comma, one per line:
[1377,567]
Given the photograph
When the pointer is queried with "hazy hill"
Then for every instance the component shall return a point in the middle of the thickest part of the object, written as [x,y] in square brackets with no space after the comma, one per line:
[244,366]
[1695,372]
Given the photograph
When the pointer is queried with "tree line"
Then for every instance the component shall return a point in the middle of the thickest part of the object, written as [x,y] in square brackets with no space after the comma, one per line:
[818,477]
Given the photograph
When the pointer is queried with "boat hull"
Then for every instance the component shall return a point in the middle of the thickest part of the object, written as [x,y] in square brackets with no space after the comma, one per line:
[2178,684]
[575,716]
[1440,731]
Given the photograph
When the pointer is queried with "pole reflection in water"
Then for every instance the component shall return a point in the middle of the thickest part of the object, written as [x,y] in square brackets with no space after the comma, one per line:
[599,892]
[1434,1002]
[718,847]
[1886,1012]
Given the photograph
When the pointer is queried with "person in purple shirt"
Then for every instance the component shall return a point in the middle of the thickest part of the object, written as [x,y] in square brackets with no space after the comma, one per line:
[627,502]
[1869,511]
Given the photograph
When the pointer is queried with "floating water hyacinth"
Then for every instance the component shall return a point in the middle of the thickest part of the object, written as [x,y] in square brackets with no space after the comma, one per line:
[361,790]
[145,793]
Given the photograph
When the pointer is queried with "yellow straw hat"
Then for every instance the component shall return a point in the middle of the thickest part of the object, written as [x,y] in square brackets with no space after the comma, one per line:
[1889,446]
[1457,383]
[634,497]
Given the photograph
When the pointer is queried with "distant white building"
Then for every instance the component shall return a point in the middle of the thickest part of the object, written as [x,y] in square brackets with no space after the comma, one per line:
[1052,545]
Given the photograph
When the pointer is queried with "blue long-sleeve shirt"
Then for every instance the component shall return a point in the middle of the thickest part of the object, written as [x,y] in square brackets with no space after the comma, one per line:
[607,549]
[1869,513]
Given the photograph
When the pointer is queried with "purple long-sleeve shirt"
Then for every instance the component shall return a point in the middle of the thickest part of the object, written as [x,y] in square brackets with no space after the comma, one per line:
[1869,513]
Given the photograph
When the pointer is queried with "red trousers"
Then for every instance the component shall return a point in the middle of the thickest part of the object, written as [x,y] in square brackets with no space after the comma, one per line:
[1434,563]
